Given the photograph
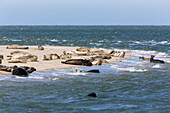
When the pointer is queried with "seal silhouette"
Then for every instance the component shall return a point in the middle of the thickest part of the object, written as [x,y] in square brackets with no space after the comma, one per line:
[92,95]
[155,60]
[19,72]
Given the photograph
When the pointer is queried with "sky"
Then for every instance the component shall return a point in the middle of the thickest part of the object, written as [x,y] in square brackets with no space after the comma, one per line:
[84,12]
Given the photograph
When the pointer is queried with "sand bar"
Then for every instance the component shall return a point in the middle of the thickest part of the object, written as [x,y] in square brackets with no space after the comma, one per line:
[42,65]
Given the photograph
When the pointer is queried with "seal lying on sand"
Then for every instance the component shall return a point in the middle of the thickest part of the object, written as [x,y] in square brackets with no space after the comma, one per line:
[77,62]
[16,47]
[65,56]
[50,57]
[155,60]
[117,53]
[1,57]
[83,49]
[5,68]
[19,72]
[22,58]
[18,53]
[28,69]
[40,47]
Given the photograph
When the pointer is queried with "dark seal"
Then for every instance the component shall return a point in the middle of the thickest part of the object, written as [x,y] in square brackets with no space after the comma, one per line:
[78,62]
[92,95]
[94,71]
[19,72]
[156,60]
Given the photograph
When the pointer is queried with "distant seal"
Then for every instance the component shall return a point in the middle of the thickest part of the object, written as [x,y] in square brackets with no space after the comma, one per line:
[146,58]
[78,62]
[94,71]
[83,49]
[16,47]
[92,95]
[65,55]
[28,69]
[155,60]
[89,71]
[1,57]
[40,47]
[19,72]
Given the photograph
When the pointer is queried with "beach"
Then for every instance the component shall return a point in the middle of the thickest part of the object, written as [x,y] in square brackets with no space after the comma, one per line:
[47,65]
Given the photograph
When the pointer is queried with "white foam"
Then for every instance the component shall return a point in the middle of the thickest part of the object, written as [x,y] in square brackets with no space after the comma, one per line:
[156,66]
[150,42]
[54,40]
[132,69]
[37,77]
[76,73]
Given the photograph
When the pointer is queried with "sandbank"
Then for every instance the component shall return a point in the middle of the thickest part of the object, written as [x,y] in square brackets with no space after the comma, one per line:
[42,65]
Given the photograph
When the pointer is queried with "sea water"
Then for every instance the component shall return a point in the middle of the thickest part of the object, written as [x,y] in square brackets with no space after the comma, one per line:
[132,85]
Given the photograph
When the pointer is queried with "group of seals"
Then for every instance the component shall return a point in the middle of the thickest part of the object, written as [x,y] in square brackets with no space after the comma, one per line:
[21,57]
[19,71]
[85,51]
[50,57]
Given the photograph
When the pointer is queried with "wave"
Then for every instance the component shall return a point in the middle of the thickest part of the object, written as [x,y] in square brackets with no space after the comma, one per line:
[152,42]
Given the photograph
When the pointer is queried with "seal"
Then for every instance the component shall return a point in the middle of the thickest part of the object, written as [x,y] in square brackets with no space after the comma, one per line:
[92,95]
[89,71]
[19,72]
[83,49]
[5,68]
[40,47]
[155,60]
[78,62]
[47,57]
[28,69]
[16,47]
[1,57]
[94,71]
[65,56]
[146,58]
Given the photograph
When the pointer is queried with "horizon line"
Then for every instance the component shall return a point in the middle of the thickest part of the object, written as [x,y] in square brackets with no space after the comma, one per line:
[86,25]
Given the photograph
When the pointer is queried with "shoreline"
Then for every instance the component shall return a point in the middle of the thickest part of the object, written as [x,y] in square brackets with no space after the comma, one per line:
[48,65]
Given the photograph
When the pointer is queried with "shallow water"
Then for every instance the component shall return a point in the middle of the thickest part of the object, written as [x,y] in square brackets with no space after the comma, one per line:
[130,86]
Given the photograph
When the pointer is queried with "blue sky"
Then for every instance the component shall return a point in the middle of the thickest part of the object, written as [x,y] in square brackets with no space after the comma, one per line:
[84,12]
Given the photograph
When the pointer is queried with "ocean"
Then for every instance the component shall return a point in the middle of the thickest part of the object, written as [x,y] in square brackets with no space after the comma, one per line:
[130,86]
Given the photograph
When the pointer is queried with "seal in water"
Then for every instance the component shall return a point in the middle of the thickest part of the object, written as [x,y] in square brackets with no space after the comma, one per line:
[94,71]
[90,71]
[92,95]
[19,72]
[155,60]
